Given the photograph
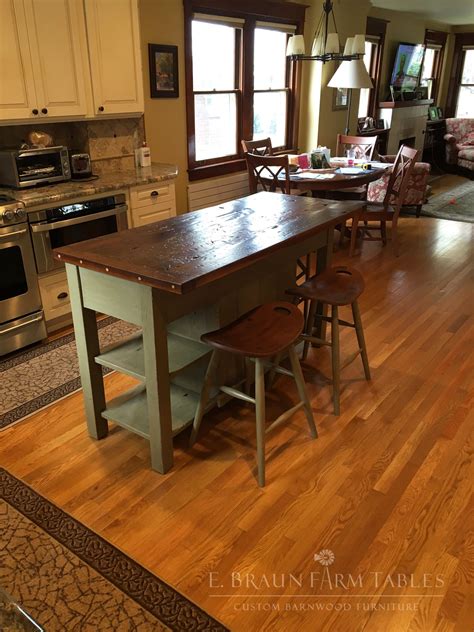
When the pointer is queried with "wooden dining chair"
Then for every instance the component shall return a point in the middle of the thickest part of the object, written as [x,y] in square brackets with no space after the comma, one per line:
[389,210]
[261,147]
[363,146]
[268,173]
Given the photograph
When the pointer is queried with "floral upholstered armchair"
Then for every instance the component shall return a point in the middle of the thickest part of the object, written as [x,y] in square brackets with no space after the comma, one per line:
[417,185]
[460,142]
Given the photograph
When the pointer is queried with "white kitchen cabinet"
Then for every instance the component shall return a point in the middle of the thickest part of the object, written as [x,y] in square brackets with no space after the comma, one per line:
[17,91]
[43,59]
[115,58]
[152,203]
[54,296]
[57,38]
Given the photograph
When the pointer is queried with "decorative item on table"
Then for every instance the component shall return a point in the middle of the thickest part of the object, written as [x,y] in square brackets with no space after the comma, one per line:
[351,155]
[440,113]
[163,66]
[379,124]
[37,138]
[319,159]
[368,124]
[143,155]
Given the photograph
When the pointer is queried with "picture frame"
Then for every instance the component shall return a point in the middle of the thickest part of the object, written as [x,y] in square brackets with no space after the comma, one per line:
[433,113]
[440,113]
[379,124]
[340,98]
[163,65]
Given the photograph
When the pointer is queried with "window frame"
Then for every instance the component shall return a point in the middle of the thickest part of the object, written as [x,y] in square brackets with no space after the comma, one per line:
[435,40]
[462,40]
[375,31]
[252,11]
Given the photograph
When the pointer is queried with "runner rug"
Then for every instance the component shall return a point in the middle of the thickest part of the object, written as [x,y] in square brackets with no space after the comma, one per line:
[66,577]
[40,375]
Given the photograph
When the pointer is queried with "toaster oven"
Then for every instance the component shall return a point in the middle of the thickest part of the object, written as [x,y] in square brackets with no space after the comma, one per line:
[20,168]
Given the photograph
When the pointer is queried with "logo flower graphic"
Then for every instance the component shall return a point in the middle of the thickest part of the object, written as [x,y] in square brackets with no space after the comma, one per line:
[325,557]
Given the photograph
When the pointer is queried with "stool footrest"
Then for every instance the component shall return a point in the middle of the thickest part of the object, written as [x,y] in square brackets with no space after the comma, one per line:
[344,323]
[315,339]
[233,392]
[284,416]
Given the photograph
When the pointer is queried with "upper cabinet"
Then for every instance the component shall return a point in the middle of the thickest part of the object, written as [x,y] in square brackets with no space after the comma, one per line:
[53,67]
[17,91]
[57,37]
[114,49]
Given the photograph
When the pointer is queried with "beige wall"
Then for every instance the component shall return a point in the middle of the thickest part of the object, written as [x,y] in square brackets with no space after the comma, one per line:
[162,22]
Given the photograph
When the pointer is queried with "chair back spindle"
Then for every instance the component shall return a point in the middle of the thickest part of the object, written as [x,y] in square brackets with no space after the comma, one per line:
[363,146]
[268,173]
[261,147]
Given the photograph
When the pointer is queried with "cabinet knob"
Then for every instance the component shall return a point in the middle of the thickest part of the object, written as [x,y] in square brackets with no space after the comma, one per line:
[62,295]
[35,111]
[44,110]
[154,193]
[101,108]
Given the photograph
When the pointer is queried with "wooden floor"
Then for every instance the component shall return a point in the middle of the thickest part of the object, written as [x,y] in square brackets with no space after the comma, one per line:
[386,487]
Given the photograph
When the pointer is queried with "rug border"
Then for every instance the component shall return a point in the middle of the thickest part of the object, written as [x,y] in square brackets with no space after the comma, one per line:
[137,583]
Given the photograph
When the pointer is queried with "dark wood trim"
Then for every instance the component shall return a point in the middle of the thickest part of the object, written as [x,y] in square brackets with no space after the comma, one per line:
[462,39]
[439,38]
[250,11]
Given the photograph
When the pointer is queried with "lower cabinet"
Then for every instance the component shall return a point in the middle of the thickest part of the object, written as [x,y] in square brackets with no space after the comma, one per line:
[152,203]
[55,297]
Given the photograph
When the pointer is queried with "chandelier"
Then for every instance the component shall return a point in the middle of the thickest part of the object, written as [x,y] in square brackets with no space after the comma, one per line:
[326,46]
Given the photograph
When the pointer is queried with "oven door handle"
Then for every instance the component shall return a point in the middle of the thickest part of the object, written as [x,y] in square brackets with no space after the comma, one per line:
[20,325]
[43,228]
[12,233]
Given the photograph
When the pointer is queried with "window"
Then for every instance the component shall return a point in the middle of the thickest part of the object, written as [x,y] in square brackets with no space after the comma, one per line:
[364,98]
[374,46]
[465,102]
[435,42]
[239,82]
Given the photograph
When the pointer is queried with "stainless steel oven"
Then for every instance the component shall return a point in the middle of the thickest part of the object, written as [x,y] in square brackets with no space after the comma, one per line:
[21,315]
[73,222]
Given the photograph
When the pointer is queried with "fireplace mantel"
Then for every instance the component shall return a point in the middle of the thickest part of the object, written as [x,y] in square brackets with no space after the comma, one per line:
[404,104]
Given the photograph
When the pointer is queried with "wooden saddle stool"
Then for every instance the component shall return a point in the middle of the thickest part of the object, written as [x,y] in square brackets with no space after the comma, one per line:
[336,287]
[265,332]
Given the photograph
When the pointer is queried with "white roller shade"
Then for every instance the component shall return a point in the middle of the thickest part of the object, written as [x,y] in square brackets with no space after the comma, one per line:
[275,26]
[223,20]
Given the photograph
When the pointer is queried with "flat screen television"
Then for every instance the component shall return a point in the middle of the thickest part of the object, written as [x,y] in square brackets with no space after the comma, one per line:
[407,66]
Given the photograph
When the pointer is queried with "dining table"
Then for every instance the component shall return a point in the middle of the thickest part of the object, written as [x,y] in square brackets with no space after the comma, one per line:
[177,279]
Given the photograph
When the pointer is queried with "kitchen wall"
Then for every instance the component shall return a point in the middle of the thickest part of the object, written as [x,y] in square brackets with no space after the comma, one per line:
[110,143]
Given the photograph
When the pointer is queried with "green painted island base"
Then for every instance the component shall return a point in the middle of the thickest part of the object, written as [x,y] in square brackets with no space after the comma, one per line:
[167,357]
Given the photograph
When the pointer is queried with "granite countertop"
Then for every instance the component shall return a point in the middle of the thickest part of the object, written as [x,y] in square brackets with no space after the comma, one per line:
[71,189]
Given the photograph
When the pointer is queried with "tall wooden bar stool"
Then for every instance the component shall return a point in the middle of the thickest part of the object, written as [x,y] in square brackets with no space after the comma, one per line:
[336,287]
[265,332]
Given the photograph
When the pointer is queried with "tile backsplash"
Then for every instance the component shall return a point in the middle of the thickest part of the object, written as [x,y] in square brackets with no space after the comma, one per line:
[111,143]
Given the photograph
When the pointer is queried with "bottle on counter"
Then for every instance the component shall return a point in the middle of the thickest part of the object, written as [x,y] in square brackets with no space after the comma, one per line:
[144,155]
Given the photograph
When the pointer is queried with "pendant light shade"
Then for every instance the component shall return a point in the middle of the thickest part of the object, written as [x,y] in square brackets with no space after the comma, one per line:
[332,43]
[295,46]
[351,74]
[348,46]
[358,46]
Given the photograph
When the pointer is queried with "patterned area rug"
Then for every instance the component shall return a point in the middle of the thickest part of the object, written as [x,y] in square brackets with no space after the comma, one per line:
[456,204]
[66,577]
[37,377]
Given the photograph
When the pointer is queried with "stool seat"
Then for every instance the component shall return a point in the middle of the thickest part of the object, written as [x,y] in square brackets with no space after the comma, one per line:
[336,286]
[263,332]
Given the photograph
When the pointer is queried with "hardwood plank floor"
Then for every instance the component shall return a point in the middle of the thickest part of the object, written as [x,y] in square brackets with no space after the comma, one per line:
[386,487]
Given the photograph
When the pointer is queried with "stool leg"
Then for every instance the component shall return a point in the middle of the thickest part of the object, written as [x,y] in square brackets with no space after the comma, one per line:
[309,327]
[201,407]
[335,358]
[260,418]
[299,379]
[360,338]
[275,364]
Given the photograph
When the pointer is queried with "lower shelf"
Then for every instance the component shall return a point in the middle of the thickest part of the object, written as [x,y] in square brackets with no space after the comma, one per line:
[130,409]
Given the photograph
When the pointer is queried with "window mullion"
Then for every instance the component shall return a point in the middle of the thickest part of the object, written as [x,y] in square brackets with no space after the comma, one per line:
[248,48]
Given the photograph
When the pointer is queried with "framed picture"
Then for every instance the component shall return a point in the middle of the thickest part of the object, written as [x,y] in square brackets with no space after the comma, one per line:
[433,113]
[340,98]
[379,124]
[163,61]
[440,113]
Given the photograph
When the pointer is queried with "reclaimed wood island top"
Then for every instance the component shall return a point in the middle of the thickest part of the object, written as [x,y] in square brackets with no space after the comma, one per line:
[188,251]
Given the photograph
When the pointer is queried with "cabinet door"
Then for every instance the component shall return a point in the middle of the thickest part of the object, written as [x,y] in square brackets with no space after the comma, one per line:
[114,49]
[17,93]
[57,36]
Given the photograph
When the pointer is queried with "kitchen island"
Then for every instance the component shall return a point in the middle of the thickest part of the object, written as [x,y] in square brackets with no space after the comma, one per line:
[177,279]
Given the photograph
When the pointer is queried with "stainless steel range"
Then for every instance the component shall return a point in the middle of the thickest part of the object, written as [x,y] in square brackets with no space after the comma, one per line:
[21,316]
